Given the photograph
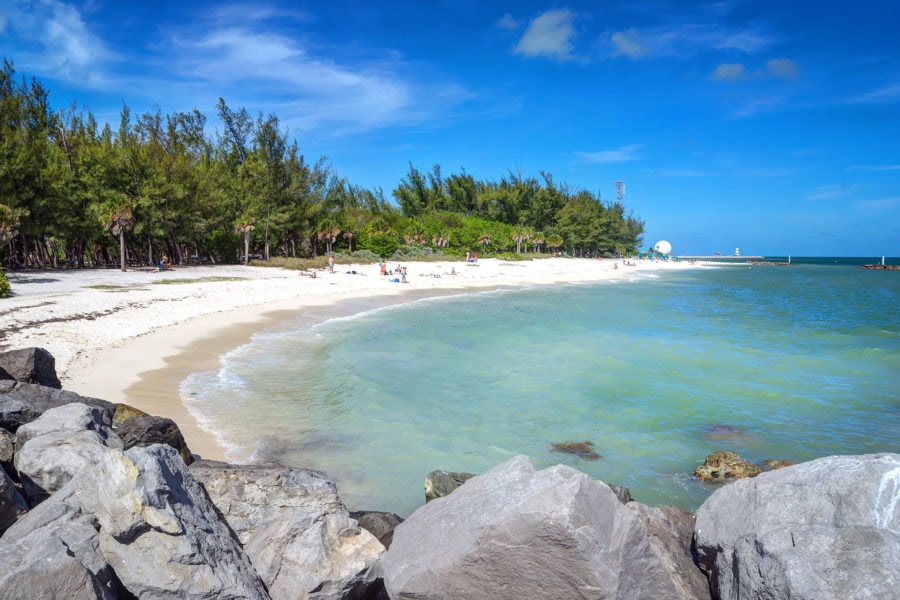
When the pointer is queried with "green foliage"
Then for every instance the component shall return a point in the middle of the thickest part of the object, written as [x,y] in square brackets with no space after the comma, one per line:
[383,244]
[5,289]
[161,185]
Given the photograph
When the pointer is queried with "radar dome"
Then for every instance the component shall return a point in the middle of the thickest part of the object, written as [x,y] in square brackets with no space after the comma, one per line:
[663,247]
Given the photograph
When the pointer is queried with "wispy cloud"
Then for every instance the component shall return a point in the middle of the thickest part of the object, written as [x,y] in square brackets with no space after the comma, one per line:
[829,192]
[59,42]
[886,94]
[779,68]
[730,72]
[623,154]
[878,204]
[874,168]
[677,172]
[549,34]
[507,21]
[686,40]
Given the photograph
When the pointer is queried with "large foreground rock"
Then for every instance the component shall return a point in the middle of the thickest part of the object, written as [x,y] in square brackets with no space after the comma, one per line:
[518,533]
[295,529]
[60,443]
[828,529]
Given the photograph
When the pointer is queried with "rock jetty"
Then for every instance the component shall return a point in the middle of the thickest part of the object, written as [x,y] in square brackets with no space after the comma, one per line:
[94,507]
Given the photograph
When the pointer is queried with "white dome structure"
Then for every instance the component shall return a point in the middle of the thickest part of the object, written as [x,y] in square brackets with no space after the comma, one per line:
[663,247]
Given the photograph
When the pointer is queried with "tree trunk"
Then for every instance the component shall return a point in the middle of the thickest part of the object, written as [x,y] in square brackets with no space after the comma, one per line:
[122,248]
[247,247]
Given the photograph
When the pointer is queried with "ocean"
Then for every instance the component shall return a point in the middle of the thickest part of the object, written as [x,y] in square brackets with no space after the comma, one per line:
[655,370]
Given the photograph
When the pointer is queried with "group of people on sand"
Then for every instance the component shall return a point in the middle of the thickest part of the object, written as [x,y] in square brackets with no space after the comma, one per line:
[398,274]
[471,258]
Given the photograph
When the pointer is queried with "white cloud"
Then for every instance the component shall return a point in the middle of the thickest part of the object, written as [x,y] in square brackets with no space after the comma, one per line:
[507,21]
[628,43]
[783,68]
[887,94]
[549,34]
[729,72]
[623,154]
[686,40]
[69,50]
[878,204]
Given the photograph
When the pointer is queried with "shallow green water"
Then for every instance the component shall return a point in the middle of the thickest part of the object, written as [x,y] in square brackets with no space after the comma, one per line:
[798,362]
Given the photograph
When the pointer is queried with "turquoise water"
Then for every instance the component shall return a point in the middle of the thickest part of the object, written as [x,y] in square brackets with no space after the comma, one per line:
[779,362]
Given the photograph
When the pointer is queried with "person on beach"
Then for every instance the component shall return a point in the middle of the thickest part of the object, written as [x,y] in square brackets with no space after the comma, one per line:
[383,267]
[403,275]
[311,274]
[467,256]
[331,263]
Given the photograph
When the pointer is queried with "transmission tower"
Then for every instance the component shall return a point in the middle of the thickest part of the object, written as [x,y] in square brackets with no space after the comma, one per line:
[620,191]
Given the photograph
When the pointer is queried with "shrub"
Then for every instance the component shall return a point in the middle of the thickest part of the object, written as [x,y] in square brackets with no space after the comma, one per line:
[5,290]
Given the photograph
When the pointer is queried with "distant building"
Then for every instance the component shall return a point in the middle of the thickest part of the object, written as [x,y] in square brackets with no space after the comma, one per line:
[737,251]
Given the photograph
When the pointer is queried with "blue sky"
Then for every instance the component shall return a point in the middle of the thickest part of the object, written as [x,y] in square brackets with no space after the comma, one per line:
[769,126]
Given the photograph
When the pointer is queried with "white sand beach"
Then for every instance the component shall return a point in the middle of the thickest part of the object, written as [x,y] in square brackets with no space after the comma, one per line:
[134,336]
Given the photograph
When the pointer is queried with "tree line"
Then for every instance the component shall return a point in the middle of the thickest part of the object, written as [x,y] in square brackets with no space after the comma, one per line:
[77,193]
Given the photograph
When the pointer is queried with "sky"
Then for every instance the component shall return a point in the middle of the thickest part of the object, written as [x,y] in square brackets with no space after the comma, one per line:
[773,127]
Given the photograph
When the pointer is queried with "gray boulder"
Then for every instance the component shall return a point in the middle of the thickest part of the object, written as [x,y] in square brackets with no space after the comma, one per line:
[30,365]
[22,403]
[160,532]
[827,529]
[295,529]
[516,533]
[7,448]
[58,444]
[53,552]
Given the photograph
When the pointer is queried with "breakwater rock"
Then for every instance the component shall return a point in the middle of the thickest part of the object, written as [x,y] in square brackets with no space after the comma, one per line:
[85,515]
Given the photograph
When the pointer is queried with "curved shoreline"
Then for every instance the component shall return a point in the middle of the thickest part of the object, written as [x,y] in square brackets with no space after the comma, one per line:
[125,341]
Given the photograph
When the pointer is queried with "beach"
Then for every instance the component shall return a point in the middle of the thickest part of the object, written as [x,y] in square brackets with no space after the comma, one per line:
[133,337]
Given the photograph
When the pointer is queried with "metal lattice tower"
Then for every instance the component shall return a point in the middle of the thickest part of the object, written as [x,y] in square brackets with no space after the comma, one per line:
[620,191]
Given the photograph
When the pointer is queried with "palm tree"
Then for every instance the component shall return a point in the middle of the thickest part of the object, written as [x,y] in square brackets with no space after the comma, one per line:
[244,227]
[348,235]
[118,221]
[519,235]
[538,241]
[328,233]
[484,240]
[554,241]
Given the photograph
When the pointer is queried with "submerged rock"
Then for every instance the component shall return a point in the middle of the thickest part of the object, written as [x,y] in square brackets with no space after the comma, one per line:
[440,483]
[726,465]
[583,449]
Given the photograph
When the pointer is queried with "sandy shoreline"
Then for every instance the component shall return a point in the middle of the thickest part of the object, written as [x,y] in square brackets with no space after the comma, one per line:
[125,338]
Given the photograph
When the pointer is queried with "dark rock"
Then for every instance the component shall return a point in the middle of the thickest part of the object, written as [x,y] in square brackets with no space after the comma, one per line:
[7,448]
[30,365]
[583,449]
[123,412]
[515,533]
[726,465]
[622,493]
[12,504]
[295,529]
[827,529]
[776,463]
[379,524]
[145,430]
[440,483]
[22,403]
